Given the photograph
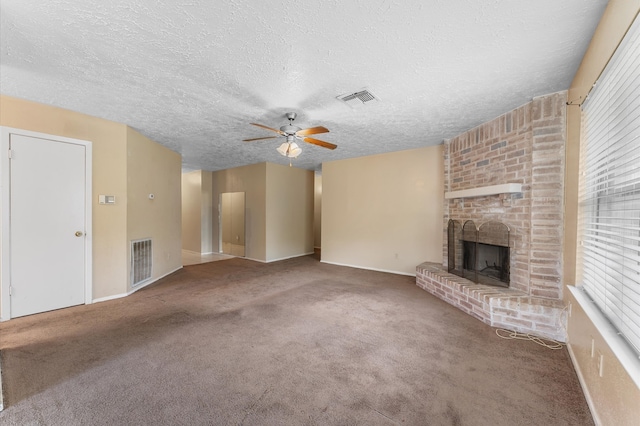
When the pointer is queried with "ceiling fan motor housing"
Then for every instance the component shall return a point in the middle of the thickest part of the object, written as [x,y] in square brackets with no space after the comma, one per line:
[289,129]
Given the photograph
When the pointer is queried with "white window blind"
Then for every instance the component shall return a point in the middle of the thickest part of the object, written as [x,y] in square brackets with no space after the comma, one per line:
[609,196]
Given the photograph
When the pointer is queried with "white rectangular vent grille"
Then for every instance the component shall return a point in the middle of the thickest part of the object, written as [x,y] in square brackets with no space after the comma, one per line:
[141,257]
[358,98]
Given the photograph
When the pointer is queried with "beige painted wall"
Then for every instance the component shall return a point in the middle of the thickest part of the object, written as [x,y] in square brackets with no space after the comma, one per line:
[317,211]
[289,218]
[206,213]
[191,211]
[127,165]
[109,142]
[198,212]
[384,211]
[278,209]
[154,169]
[615,399]
[232,223]
[252,181]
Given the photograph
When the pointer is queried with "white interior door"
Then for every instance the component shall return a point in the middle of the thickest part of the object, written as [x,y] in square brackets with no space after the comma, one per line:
[47,224]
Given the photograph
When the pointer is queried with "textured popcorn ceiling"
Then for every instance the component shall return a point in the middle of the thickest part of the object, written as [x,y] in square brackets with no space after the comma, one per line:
[192,74]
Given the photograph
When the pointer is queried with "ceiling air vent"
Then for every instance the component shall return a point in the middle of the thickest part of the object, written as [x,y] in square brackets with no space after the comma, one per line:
[359,98]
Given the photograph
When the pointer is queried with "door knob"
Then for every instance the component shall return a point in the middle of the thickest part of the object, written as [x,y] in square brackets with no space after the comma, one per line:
[79,233]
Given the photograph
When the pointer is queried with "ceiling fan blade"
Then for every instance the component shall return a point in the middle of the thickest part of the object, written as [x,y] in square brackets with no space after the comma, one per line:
[259,139]
[320,143]
[312,131]
[280,132]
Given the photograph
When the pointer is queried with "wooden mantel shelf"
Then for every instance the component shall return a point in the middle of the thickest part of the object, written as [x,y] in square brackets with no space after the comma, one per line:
[506,188]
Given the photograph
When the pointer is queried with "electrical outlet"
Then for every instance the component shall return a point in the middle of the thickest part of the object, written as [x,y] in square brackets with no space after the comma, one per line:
[600,365]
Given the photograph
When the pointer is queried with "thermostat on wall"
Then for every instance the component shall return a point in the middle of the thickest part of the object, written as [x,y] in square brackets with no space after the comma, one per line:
[107,199]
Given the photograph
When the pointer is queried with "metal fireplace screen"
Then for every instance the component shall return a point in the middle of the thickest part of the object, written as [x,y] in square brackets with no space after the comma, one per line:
[480,254]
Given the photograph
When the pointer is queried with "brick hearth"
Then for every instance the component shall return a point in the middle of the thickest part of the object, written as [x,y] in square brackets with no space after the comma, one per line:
[524,146]
[496,306]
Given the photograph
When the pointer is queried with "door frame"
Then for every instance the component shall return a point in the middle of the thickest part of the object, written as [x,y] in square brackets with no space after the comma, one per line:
[5,217]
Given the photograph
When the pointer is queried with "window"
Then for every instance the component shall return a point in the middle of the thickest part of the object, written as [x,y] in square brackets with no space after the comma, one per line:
[610,190]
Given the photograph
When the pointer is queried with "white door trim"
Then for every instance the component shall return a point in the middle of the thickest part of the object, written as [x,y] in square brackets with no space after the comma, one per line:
[5,207]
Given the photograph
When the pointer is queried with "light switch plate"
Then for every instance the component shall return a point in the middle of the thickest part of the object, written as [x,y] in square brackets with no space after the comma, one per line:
[106,199]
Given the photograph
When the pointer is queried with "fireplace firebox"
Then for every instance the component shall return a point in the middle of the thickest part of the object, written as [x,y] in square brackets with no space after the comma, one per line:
[480,254]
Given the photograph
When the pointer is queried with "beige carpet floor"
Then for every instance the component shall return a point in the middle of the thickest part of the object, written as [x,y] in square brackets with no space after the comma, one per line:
[295,342]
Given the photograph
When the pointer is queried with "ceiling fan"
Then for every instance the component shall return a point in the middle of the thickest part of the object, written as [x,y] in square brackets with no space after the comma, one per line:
[290,148]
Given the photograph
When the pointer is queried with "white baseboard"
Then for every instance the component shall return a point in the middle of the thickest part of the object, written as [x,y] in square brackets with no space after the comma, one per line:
[583,385]
[289,257]
[277,260]
[197,253]
[104,299]
[133,290]
[370,269]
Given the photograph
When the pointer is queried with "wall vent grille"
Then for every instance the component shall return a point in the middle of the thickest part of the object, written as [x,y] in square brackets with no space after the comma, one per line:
[359,98]
[141,261]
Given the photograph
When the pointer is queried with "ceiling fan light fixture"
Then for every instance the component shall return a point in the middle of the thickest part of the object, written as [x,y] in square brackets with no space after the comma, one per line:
[291,150]
[282,149]
[294,150]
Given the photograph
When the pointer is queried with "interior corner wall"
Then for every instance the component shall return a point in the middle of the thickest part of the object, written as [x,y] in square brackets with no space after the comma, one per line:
[289,212]
[109,144]
[252,181]
[191,209]
[206,213]
[384,212]
[197,212]
[317,211]
[614,397]
[153,201]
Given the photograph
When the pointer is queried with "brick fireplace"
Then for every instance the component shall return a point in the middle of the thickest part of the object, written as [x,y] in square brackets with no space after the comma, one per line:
[524,148]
